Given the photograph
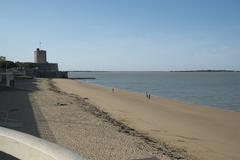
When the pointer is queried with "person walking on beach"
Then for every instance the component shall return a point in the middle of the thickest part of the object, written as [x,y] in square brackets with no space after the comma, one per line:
[148,95]
[113,90]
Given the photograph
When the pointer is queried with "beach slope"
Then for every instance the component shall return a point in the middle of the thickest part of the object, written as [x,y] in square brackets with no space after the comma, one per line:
[204,132]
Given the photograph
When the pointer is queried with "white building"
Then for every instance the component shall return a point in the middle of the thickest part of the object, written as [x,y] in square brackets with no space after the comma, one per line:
[2,58]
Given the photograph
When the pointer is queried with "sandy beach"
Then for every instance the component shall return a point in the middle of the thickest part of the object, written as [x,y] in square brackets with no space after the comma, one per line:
[204,132]
[99,124]
[39,108]
[173,65]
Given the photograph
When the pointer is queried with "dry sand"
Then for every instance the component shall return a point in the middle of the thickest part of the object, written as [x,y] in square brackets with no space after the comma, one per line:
[204,132]
[69,120]
[79,126]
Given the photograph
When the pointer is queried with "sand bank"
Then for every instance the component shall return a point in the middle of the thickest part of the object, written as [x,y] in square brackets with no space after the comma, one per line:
[204,132]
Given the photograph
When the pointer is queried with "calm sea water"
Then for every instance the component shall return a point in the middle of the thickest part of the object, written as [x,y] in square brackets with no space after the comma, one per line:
[216,89]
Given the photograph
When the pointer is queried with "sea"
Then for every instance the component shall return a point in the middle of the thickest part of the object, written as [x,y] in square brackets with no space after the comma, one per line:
[215,89]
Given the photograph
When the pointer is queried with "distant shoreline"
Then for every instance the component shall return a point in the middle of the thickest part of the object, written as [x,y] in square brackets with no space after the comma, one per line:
[163,71]
[86,71]
[206,71]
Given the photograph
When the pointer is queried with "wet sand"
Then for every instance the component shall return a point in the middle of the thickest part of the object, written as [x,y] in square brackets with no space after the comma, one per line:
[204,132]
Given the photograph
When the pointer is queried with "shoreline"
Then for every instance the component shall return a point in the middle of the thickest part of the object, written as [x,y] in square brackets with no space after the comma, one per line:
[163,148]
[99,124]
[161,97]
[204,132]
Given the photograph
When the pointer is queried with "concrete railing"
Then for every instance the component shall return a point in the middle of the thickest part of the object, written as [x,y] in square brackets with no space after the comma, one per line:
[26,147]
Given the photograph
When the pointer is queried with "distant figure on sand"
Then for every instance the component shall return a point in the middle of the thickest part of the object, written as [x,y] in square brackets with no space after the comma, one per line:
[148,95]
[113,90]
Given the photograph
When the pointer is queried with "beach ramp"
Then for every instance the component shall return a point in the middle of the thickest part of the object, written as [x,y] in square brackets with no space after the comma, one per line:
[27,147]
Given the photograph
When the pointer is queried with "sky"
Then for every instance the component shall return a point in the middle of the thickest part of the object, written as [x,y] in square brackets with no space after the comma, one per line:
[123,35]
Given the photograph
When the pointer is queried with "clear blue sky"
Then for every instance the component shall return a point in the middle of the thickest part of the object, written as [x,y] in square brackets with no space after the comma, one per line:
[124,34]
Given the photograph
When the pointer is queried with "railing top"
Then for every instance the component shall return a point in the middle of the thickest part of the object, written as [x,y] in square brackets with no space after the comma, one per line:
[26,147]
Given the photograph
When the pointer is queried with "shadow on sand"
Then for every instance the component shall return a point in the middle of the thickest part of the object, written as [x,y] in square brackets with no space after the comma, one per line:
[16,110]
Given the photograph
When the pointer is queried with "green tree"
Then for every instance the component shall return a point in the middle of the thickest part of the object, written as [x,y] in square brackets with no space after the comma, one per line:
[7,64]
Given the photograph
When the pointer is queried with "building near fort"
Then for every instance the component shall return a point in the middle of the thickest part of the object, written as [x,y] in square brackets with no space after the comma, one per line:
[40,62]
[41,67]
